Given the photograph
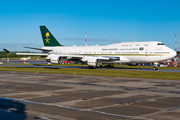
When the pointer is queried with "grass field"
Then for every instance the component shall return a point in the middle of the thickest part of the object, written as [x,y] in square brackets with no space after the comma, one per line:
[102,72]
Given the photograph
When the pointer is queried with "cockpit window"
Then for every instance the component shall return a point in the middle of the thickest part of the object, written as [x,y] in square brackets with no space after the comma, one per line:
[160,44]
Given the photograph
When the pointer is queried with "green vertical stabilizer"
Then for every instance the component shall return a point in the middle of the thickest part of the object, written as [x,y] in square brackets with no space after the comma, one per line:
[48,38]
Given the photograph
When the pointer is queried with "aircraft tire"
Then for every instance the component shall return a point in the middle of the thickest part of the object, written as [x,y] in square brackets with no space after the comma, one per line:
[155,68]
[91,67]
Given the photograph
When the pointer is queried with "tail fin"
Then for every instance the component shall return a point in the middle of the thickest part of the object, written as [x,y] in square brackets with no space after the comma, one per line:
[48,38]
[6,50]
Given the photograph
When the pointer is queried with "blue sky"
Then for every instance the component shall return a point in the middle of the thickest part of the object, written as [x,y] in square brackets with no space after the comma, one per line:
[139,20]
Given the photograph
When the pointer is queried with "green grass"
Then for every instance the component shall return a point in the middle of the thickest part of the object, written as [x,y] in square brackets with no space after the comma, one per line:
[98,72]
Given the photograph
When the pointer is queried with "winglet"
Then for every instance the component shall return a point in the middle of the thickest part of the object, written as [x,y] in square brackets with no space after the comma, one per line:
[48,38]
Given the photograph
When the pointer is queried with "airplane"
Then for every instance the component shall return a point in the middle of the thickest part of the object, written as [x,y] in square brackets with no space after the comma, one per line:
[94,56]
[7,52]
[26,58]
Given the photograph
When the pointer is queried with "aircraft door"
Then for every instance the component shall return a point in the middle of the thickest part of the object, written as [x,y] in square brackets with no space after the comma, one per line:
[146,52]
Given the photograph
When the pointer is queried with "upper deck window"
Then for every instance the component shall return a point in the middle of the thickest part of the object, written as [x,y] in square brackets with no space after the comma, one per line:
[160,44]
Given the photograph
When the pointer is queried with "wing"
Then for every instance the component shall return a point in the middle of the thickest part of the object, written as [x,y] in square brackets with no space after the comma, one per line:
[94,61]
[41,54]
[90,60]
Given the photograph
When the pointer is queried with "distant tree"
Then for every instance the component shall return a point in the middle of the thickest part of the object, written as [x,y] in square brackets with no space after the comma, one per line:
[12,54]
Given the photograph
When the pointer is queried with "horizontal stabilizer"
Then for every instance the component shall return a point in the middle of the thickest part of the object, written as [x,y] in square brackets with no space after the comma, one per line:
[41,54]
[39,49]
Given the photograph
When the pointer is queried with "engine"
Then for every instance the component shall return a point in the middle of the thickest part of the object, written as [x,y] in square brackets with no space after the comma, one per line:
[55,60]
[94,63]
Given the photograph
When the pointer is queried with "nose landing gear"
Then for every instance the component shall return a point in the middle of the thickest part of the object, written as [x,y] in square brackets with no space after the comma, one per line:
[155,67]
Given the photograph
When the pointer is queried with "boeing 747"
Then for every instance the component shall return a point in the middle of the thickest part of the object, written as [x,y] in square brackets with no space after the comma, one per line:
[95,56]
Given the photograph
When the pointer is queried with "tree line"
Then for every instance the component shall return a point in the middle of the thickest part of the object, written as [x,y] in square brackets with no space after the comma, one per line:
[3,54]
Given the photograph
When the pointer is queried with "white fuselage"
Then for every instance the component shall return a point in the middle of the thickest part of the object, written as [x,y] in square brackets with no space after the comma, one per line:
[129,52]
[25,58]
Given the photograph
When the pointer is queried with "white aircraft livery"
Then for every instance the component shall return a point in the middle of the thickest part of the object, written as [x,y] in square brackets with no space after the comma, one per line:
[26,58]
[94,56]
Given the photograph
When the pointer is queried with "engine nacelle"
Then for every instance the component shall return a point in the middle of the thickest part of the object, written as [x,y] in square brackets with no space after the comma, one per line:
[55,60]
[94,62]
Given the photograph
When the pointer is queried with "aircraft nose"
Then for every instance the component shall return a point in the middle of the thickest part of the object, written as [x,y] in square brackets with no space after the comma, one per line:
[173,53]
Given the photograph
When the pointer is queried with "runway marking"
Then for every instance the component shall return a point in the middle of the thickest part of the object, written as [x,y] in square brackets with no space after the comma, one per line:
[45,118]
[172,108]
[76,109]
[123,116]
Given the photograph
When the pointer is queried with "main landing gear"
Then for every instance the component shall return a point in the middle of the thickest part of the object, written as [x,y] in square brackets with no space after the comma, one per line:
[155,67]
[94,67]
[110,66]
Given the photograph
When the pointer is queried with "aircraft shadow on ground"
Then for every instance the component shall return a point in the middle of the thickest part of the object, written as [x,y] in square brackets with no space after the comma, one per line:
[131,68]
[80,67]
[51,68]
[12,110]
[41,65]
[128,68]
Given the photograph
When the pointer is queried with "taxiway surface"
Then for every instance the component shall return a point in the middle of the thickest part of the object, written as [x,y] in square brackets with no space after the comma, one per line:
[39,96]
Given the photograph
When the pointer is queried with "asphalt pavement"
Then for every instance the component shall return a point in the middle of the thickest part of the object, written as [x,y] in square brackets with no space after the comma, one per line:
[40,96]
